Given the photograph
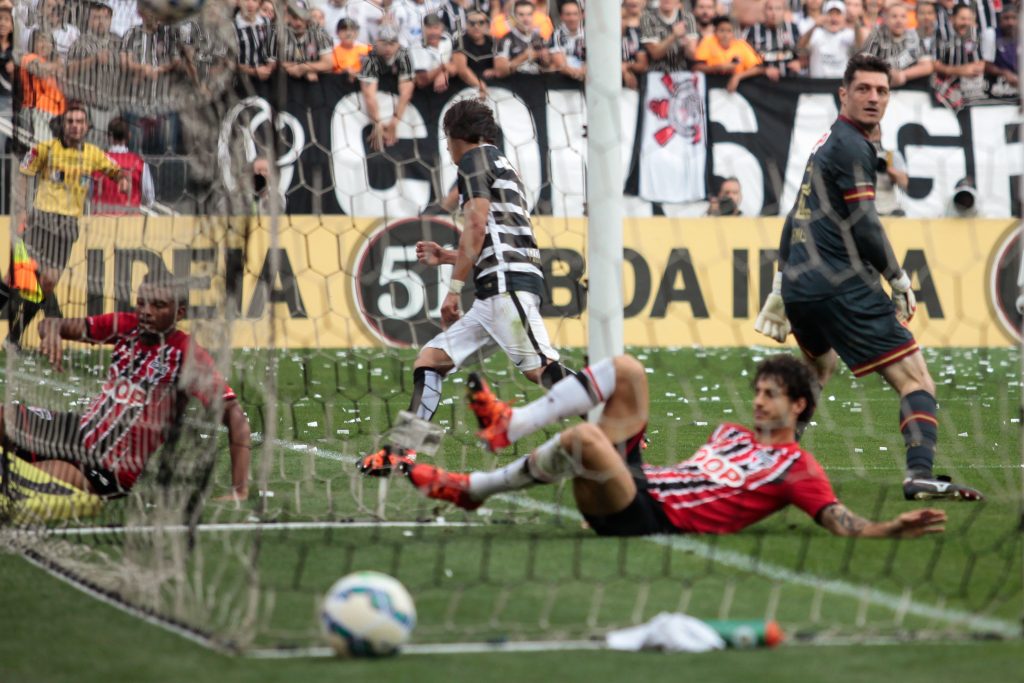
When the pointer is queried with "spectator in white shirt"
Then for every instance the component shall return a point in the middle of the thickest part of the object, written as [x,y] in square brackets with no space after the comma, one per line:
[830,42]
[432,59]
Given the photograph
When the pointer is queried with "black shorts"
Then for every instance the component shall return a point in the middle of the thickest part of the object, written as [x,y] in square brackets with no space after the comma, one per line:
[42,434]
[861,326]
[644,515]
[49,238]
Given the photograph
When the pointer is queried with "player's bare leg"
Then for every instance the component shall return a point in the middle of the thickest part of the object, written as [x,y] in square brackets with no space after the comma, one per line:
[65,471]
[920,428]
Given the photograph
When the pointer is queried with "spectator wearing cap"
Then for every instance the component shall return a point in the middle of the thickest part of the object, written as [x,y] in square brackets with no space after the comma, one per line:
[669,35]
[725,54]
[432,58]
[899,46]
[349,53]
[568,43]
[388,69]
[474,53]
[107,196]
[522,49]
[257,55]
[94,67]
[775,41]
[308,50]
[830,42]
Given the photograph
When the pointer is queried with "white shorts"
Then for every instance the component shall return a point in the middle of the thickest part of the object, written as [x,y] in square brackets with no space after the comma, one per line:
[497,322]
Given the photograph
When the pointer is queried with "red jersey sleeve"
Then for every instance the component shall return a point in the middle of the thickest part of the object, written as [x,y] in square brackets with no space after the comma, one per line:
[207,382]
[107,327]
[808,487]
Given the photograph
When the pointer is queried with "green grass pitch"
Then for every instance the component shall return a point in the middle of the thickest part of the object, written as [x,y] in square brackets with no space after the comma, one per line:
[526,570]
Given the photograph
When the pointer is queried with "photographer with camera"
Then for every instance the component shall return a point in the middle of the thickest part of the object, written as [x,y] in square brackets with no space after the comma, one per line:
[727,201]
[892,178]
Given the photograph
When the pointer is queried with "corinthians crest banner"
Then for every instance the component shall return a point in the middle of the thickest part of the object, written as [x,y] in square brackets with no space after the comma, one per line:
[673,138]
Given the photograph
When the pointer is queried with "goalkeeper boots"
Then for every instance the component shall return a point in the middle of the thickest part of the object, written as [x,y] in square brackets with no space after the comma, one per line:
[938,487]
[441,484]
[492,413]
[384,461]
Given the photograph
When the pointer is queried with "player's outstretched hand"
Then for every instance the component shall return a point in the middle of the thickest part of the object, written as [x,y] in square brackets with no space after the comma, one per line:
[428,253]
[919,522]
[903,297]
[772,320]
[49,342]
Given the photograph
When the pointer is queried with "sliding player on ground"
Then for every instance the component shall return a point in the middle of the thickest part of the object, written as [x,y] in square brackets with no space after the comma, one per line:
[739,477]
[498,249]
[827,291]
[80,459]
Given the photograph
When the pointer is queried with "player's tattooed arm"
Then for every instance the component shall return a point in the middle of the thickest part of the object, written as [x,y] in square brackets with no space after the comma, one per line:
[842,521]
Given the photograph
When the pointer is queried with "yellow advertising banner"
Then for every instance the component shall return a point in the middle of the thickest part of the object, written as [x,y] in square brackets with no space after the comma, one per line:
[339,282]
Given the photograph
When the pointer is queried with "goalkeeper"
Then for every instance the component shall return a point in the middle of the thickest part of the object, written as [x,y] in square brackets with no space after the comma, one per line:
[739,477]
[79,459]
[827,291]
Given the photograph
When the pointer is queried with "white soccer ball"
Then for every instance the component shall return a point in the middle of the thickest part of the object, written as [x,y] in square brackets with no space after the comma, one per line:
[367,614]
[170,11]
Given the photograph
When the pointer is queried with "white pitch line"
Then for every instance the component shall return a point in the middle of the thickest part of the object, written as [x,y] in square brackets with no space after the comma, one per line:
[259,526]
[444,649]
[744,562]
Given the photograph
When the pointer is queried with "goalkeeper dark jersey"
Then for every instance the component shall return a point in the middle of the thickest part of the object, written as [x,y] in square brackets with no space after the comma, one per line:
[833,242]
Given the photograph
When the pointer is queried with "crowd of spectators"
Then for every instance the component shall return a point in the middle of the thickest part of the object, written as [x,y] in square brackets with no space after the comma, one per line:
[67,50]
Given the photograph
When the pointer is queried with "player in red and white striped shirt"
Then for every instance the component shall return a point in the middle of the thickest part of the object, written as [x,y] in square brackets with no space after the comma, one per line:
[737,478]
[155,369]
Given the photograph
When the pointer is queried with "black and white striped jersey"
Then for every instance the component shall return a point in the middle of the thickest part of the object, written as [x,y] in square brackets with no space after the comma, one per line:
[775,44]
[509,259]
[255,41]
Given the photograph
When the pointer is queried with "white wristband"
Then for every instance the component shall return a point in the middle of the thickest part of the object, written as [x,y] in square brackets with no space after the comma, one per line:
[901,282]
[455,286]
[777,283]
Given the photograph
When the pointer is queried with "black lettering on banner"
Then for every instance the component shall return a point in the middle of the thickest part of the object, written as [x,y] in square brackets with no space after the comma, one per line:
[641,282]
[679,264]
[183,260]
[287,293]
[768,259]
[95,279]
[740,282]
[124,265]
[571,280]
[927,294]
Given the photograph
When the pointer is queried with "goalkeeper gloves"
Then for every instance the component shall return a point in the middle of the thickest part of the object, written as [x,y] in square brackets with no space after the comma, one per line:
[903,297]
[772,321]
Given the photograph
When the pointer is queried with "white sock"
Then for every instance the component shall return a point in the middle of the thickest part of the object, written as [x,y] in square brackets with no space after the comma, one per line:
[549,462]
[571,396]
[508,478]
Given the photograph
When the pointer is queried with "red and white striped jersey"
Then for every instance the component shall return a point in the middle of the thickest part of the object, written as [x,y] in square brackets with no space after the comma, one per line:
[146,390]
[733,481]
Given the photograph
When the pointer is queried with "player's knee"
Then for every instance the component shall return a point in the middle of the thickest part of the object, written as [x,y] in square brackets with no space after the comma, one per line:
[627,368]
[433,359]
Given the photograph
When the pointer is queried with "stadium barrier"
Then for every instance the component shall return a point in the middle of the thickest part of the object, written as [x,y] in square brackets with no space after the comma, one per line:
[354,282]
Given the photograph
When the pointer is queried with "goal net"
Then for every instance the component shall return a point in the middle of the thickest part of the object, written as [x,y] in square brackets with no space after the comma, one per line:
[311,303]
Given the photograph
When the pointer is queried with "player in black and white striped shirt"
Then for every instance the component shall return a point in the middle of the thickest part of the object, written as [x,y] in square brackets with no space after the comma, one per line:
[498,249]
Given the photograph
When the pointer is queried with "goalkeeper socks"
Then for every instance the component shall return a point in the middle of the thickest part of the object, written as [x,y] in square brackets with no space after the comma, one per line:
[512,476]
[426,392]
[920,430]
[574,395]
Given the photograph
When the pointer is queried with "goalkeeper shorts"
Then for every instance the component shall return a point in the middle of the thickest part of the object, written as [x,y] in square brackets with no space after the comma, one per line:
[861,326]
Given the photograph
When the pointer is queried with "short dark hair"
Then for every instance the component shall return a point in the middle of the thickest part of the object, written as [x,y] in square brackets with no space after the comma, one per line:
[118,130]
[471,121]
[957,8]
[794,376]
[346,24]
[432,20]
[522,3]
[865,62]
[164,279]
[721,19]
[76,105]
[569,2]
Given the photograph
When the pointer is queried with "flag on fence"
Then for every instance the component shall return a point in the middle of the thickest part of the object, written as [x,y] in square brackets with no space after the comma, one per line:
[673,150]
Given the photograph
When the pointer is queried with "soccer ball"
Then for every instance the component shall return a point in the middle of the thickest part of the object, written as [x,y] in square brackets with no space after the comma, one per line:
[367,614]
[170,11]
